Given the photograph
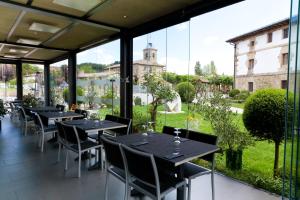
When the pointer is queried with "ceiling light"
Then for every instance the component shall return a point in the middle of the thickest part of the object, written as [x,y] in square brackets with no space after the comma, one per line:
[10,56]
[81,5]
[125,16]
[28,41]
[18,51]
[43,28]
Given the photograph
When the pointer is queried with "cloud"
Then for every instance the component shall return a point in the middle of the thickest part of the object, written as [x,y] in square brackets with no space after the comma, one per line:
[181,27]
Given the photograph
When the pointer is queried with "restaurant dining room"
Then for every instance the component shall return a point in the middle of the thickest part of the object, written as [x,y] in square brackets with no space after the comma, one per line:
[100,99]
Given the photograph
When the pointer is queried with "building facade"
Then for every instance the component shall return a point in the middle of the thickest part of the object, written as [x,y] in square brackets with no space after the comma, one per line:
[261,57]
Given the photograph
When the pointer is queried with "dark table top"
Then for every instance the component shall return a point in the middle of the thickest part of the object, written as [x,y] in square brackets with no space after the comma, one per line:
[95,125]
[162,146]
[42,109]
[60,115]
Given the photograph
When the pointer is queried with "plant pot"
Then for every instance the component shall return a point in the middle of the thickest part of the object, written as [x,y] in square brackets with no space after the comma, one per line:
[234,159]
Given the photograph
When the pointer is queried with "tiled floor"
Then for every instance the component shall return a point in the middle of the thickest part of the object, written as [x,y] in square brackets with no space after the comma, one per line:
[28,174]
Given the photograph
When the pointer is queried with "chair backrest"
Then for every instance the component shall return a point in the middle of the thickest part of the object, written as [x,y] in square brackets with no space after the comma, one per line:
[121,120]
[61,133]
[170,131]
[23,114]
[78,111]
[84,113]
[205,138]
[60,107]
[112,152]
[141,166]
[38,121]
[71,134]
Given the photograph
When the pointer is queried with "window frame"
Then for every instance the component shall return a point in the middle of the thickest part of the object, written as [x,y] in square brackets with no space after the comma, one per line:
[270,37]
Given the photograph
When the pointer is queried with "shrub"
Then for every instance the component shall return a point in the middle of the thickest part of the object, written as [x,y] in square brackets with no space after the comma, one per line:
[186,91]
[137,101]
[234,92]
[243,95]
[140,119]
[264,117]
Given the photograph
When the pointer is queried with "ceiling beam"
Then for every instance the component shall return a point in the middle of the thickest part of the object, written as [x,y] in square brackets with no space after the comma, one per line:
[33,46]
[50,13]
[15,25]
[13,61]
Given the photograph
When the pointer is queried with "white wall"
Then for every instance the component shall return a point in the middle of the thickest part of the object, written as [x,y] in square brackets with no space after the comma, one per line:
[267,55]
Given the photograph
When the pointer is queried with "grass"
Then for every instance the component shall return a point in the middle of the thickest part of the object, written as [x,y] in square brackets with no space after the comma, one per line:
[238,105]
[258,160]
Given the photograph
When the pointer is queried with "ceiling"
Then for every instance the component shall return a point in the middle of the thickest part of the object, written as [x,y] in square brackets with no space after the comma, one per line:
[69,25]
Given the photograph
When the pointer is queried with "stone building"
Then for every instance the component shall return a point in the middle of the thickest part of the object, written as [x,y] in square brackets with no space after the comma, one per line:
[261,57]
[141,67]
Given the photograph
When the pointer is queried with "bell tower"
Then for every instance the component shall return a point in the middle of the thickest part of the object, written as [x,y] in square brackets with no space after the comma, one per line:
[150,53]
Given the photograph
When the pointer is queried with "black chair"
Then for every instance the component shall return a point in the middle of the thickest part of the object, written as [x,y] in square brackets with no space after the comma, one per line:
[77,145]
[114,163]
[143,175]
[43,129]
[170,131]
[60,107]
[191,170]
[84,114]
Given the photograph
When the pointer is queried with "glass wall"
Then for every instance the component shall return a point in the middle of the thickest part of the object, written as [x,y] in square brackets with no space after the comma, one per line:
[161,79]
[59,87]
[33,80]
[8,83]
[291,152]
[98,80]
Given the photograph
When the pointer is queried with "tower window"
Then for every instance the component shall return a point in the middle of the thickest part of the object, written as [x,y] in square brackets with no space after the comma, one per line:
[252,43]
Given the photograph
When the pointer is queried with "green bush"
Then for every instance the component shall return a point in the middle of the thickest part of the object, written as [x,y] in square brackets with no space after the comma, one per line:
[264,117]
[186,91]
[234,92]
[243,95]
[140,119]
[137,101]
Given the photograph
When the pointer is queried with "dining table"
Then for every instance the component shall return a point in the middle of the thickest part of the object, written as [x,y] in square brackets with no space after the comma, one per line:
[164,149]
[36,109]
[59,115]
[95,126]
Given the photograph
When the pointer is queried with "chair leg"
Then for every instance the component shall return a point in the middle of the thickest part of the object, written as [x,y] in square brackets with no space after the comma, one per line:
[102,159]
[43,139]
[79,164]
[212,185]
[106,186]
[25,132]
[189,189]
[66,164]
[59,149]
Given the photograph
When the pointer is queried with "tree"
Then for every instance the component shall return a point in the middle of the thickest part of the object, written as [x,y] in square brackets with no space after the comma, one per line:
[264,117]
[186,91]
[213,69]
[226,126]
[160,90]
[198,70]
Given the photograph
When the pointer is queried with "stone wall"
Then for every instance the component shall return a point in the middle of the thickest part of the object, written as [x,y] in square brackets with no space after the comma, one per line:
[260,81]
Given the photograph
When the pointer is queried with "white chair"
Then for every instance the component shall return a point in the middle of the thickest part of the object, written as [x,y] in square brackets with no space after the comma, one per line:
[25,120]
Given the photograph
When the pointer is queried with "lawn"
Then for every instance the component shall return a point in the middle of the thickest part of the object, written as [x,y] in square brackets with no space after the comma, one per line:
[257,160]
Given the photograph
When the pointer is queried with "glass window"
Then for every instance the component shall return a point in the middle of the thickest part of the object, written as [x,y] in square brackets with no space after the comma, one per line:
[59,87]
[285,58]
[8,83]
[33,80]
[270,37]
[98,80]
[250,86]
[285,33]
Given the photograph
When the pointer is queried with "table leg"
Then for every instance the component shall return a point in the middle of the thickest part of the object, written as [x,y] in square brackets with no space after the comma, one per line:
[98,163]
[180,190]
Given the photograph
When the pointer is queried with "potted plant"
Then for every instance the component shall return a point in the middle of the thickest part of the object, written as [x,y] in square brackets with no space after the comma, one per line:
[30,100]
[3,111]
[231,138]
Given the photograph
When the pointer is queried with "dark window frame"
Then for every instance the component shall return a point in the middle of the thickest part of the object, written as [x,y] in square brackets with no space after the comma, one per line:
[269,37]
[285,33]
[250,86]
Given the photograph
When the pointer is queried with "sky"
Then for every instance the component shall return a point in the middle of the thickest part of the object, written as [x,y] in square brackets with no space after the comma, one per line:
[202,39]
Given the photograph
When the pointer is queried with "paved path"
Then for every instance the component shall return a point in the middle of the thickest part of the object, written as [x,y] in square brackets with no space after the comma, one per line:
[237,110]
